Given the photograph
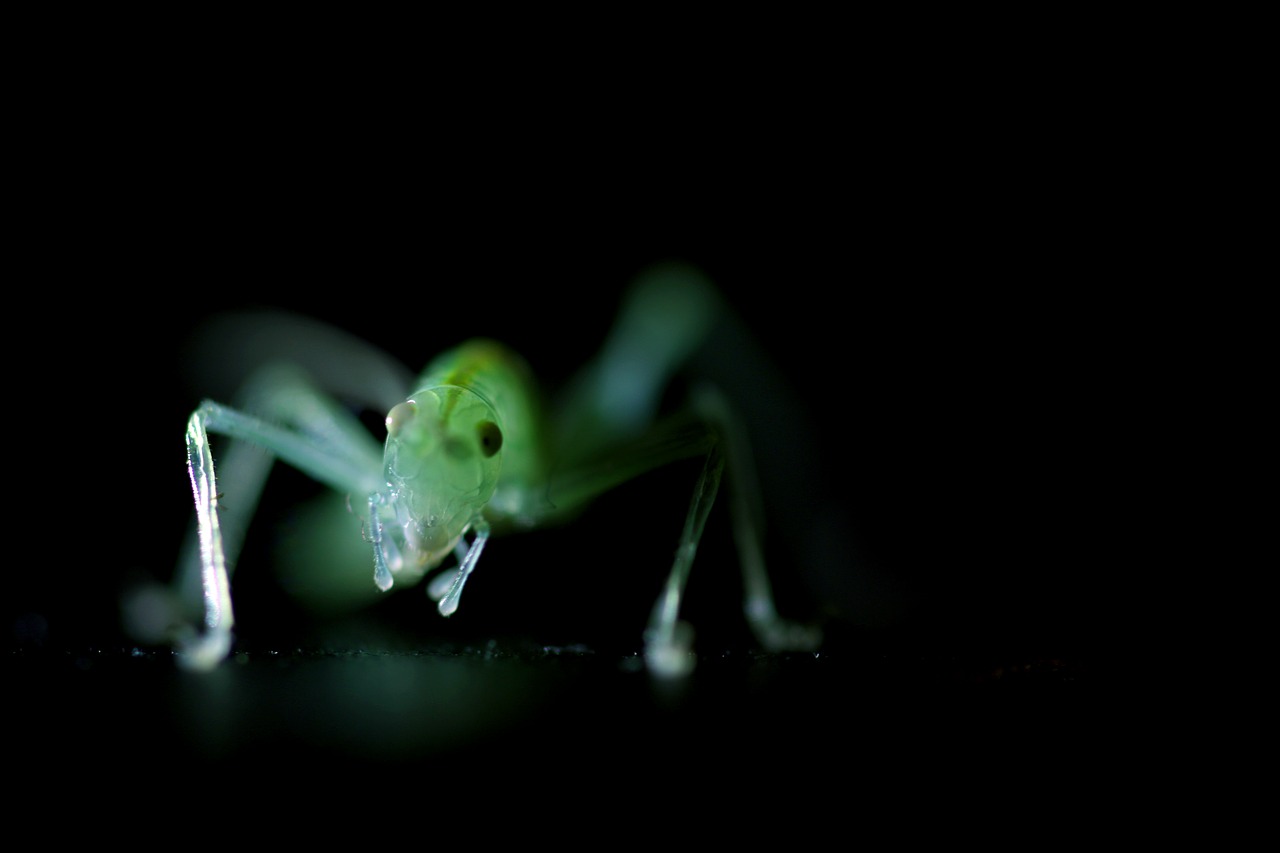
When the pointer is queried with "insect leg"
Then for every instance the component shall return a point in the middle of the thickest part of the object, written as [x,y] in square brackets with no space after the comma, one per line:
[449,603]
[292,421]
[668,640]
[440,585]
[773,632]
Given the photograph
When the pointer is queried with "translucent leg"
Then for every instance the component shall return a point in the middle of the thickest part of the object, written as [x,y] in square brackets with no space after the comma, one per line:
[668,641]
[606,435]
[615,397]
[772,631]
[205,649]
[307,431]
[438,587]
[449,603]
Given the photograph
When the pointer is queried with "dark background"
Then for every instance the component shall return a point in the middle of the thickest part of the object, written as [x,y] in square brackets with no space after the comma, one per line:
[928,378]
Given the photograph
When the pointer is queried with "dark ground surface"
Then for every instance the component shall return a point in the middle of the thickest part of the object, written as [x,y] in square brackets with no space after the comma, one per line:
[513,705]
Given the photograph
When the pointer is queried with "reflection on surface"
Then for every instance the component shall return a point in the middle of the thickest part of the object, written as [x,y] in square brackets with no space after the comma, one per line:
[374,705]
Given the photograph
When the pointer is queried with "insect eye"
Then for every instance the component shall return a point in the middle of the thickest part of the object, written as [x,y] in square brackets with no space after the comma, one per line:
[490,437]
[400,414]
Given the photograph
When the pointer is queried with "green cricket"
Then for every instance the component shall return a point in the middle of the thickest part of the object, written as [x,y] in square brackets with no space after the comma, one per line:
[472,452]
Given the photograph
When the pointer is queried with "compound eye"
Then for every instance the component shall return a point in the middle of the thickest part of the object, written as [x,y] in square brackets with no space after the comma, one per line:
[400,415]
[490,438]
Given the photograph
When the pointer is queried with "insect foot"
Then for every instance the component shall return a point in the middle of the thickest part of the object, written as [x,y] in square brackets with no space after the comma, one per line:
[203,652]
[780,635]
[669,654]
